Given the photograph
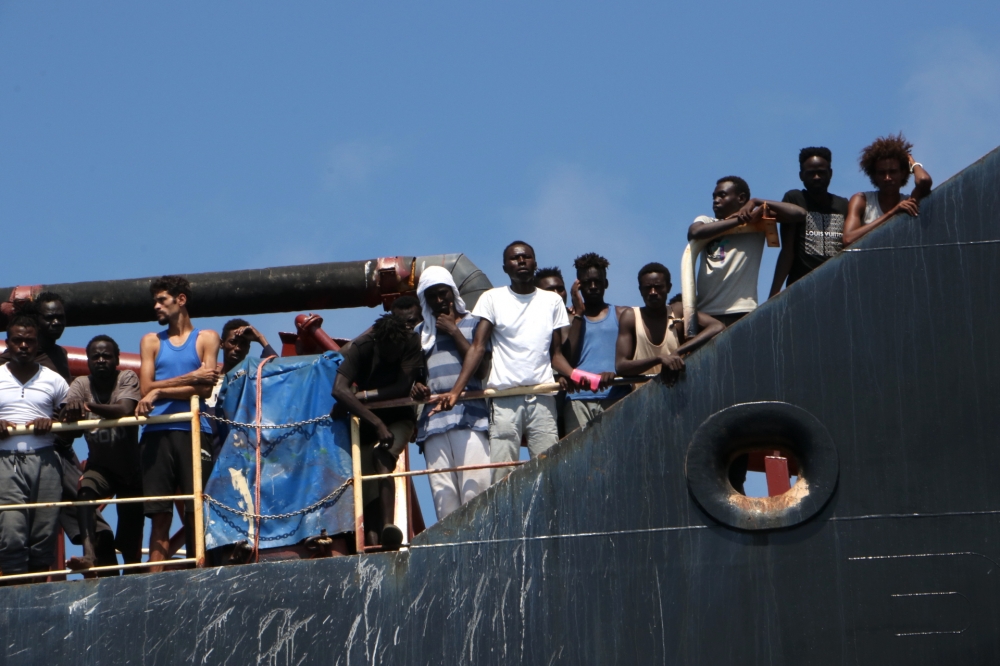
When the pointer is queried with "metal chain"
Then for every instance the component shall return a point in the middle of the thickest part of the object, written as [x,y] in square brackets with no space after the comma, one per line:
[283,516]
[297,424]
[245,532]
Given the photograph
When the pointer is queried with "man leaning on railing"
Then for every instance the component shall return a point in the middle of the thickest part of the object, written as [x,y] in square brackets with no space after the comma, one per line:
[522,324]
[178,363]
[382,364]
[113,453]
[29,465]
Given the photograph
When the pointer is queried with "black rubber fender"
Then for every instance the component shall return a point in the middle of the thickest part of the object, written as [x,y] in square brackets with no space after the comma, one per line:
[736,429]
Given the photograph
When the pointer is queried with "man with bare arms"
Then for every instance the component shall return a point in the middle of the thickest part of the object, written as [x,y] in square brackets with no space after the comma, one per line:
[651,338]
[888,163]
[177,363]
[590,340]
[727,275]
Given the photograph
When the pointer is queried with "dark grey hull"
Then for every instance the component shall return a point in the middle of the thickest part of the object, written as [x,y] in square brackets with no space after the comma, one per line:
[600,554]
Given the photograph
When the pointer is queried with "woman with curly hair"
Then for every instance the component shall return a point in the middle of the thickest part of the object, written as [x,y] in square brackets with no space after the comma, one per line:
[888,164]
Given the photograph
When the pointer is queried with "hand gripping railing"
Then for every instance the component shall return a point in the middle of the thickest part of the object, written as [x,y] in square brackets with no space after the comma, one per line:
[197,495]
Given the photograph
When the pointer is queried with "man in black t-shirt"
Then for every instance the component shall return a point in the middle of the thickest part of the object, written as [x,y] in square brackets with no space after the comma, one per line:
[805,246]
[382,365]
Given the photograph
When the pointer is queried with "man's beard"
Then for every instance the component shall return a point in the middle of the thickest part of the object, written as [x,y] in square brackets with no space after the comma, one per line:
[162,320]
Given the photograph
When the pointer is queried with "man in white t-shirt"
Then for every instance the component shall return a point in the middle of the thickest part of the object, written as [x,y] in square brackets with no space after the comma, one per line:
[30,470]
[521,322]
[727,276]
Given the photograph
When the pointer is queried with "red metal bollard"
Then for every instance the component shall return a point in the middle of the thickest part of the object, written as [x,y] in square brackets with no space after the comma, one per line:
[776,469]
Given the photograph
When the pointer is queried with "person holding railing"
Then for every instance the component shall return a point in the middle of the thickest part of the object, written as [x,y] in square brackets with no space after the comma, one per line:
[383,364]
[458,437]
[522,323]
[113,453]
[727,276]
[50,312]
[651,338]
[30,470]
[590,339]
[177,363]
[888,163]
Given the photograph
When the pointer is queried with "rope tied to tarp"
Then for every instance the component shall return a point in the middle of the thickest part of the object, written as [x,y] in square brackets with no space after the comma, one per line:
[257,484]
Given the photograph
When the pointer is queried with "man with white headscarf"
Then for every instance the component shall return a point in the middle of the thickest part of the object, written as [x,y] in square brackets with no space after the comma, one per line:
[458,437]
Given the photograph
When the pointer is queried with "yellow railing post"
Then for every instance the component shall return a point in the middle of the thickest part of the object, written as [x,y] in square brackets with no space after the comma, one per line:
[196,489]
[359,501]
[402,517]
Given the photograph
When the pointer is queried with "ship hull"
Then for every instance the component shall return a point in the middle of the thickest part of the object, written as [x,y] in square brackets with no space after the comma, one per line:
[607,551]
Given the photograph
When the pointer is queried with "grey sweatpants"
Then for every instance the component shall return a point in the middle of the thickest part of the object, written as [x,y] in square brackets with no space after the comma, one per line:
[581,413]
[28,537]
[516,416]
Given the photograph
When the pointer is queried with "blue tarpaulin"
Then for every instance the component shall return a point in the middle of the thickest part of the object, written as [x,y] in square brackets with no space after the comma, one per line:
[299,466]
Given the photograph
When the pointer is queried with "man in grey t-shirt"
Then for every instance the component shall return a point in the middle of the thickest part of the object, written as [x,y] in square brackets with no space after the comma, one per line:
[113,458]
[727,276]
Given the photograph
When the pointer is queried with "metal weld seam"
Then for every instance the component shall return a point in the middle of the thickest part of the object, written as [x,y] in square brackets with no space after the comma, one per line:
[906,556]
[947,514]
[547,537]
[920,247]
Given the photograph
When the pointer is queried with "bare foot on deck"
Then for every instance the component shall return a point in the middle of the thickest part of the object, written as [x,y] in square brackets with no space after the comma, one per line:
[80,563]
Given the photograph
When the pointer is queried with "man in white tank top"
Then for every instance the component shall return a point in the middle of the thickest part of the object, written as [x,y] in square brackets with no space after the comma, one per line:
[651,339]
[888,164]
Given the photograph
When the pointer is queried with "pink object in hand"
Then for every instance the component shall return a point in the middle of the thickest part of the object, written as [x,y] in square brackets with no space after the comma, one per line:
[583,377]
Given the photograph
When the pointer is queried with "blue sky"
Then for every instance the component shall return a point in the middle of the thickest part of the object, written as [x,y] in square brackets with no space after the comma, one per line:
[138,139]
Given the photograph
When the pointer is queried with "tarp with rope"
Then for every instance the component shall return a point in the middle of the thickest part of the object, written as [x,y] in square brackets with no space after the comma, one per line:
[304,464]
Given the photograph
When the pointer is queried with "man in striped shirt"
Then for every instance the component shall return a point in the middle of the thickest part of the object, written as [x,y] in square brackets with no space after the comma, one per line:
[458,437]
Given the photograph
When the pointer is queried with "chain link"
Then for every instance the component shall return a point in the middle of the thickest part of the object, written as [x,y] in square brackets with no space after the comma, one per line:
[333,496]
[297,424]
[283,516]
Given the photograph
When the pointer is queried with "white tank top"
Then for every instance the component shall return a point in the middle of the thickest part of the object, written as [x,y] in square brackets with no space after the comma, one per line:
[873,210]
[644,348]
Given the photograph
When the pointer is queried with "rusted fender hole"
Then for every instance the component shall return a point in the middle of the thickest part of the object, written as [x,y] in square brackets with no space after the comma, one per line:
[739,427]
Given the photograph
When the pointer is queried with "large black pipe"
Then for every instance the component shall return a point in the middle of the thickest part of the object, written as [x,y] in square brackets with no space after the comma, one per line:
[471,281]
[258,291]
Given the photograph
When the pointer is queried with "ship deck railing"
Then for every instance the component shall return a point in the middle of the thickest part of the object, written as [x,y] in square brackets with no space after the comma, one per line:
[401,474]
[197,496]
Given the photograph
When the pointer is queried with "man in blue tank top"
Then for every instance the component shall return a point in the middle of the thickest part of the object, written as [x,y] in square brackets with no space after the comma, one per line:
[177,363]
[590,340]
